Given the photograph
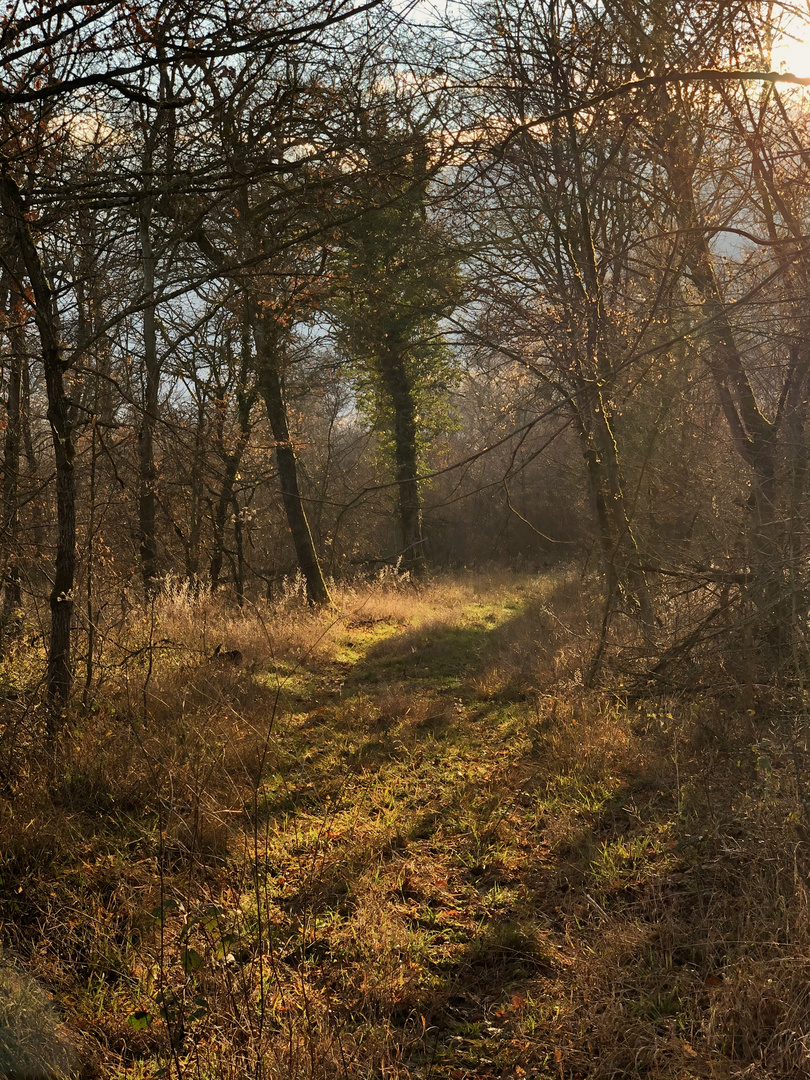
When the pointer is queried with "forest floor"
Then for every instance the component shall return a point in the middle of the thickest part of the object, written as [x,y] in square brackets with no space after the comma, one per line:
[398,840]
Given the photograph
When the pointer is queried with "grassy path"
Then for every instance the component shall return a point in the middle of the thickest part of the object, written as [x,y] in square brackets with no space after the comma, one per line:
[401,842]
[509,881]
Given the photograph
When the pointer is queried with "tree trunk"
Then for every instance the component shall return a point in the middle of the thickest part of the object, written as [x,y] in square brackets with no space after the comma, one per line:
[622,563]
[595,376]
[239,574]
[224,502]
[59,675]
[244,405]
[607,539]
[409,503]
[753,435]
[38,528]
[12,597]
[89,601]
[272,391]
[270,387]
[146,434]
[195,486]
[630,572]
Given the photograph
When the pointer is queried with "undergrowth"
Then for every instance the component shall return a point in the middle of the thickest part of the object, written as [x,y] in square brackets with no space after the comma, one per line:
[398,839]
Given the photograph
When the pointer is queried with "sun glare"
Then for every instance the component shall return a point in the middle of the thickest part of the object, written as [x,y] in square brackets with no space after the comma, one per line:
[791,53]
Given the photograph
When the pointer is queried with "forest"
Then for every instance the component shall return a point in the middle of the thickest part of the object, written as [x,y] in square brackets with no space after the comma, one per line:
[404,540]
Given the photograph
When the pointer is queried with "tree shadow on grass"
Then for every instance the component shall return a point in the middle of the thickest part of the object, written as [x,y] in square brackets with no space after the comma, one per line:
[439,656]
[447,656]
[499,924]
[559,903]
[550,901]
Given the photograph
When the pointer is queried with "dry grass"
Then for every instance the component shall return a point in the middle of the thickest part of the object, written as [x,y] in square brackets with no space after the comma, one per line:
[398,839]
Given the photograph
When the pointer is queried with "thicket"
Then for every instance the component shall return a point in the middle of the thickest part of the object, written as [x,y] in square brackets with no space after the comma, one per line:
[304,307]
